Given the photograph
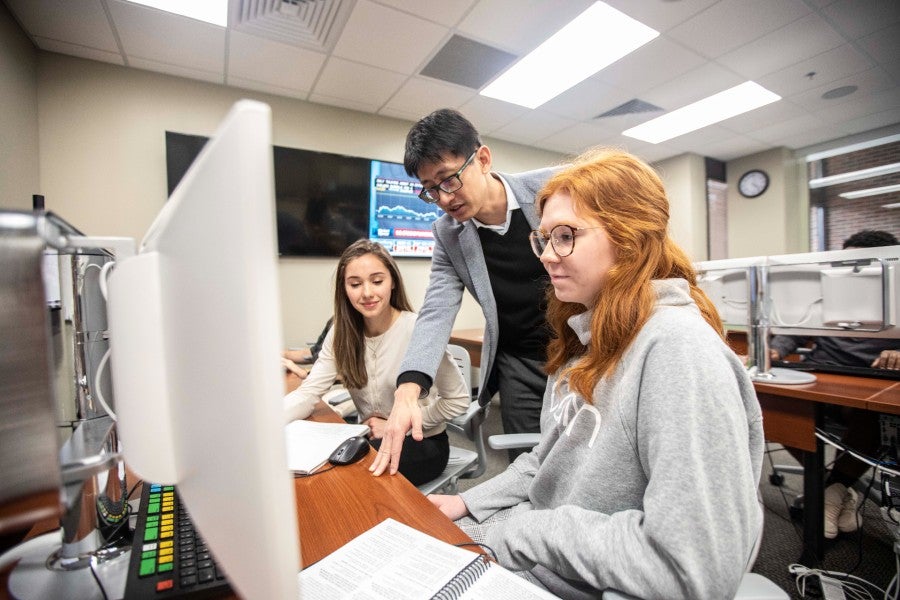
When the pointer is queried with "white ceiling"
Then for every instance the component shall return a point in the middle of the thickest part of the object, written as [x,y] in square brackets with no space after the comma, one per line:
[799,49]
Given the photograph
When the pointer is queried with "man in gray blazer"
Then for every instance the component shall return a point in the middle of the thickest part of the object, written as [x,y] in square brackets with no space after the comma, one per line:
[481,244]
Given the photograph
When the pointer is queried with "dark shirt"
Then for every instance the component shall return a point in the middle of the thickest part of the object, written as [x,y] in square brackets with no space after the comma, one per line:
[854,352]
[519,282]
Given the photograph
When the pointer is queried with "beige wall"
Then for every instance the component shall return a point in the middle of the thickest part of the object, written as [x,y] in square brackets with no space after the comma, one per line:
[102,140]
[777,222]
[20,174]
[685,180]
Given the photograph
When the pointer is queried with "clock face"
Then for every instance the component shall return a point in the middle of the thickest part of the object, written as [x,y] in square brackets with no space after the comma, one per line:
[753,183]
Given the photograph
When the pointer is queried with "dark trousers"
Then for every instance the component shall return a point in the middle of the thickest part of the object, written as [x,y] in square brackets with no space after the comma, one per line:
[420,462]
[521,383]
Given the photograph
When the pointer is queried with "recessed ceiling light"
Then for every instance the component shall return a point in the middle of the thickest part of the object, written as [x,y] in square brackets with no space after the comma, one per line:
[876,191]
[894,205]
[839,92]
[718,107]
[596,38]
[208,11]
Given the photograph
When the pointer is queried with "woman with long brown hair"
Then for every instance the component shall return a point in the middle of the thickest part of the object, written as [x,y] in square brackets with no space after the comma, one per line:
[645,477]
[373,322]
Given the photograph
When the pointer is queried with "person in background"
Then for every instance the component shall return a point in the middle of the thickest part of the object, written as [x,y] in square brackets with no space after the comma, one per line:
[645,478]
[861,426]
[292,358]
[480,244]
[373,322]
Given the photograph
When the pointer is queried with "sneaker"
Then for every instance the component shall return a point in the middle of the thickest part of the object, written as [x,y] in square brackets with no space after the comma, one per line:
[834,502]
[849,520]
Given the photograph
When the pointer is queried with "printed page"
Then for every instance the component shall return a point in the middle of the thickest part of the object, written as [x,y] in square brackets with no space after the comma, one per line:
[309,443]
[391,561]
[498,583]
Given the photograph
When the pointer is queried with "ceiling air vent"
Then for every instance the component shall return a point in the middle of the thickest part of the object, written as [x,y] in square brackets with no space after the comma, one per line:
[313,24]
[632,107]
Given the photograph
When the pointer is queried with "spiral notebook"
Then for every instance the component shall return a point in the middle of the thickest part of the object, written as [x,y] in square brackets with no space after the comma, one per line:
[393,560]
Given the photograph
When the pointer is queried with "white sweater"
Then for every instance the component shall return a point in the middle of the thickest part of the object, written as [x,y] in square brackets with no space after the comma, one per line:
[447,398]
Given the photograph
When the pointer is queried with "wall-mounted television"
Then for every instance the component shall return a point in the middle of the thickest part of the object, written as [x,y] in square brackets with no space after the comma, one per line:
[321,199]
[398,219]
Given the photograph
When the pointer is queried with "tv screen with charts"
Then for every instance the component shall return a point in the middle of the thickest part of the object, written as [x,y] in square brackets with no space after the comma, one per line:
[398,219]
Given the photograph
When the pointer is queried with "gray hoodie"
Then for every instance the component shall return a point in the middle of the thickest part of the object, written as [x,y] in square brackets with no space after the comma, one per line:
[651,489]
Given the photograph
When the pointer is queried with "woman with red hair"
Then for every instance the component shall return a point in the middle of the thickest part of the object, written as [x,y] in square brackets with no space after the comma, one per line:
[645,478]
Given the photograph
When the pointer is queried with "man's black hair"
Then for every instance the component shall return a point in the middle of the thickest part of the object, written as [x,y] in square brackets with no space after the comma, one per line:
[870,238]
[445,131]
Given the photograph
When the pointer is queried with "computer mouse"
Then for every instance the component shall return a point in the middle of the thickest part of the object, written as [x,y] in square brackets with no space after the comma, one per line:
[350,451]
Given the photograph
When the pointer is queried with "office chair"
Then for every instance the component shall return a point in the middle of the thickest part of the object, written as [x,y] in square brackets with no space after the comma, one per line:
[463,463]
[753,585]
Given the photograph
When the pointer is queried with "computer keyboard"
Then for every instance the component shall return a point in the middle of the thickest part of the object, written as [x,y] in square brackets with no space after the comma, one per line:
[839,369]
[169,559]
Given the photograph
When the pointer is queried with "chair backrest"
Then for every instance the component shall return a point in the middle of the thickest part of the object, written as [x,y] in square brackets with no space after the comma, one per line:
[463,464]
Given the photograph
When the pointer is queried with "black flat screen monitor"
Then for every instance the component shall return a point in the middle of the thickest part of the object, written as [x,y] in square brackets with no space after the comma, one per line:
[321,199]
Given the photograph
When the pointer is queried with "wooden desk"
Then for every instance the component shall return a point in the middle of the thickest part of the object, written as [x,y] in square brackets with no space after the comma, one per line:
[791,414]
[471,340]
[335,506]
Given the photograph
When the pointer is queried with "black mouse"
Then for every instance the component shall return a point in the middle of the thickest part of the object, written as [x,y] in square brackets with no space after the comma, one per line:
[350,451]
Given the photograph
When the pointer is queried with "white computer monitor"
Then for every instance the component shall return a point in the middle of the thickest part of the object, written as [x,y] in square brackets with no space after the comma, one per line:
[837,293]
[195,336]
[727,283]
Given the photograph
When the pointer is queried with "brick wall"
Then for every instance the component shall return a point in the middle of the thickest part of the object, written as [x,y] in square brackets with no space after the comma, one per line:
[845,217]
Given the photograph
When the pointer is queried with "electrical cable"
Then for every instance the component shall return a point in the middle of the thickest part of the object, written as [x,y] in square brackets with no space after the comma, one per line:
[854,588]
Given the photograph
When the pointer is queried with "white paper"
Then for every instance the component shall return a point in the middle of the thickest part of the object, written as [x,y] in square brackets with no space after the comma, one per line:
[309,443]
[393,561]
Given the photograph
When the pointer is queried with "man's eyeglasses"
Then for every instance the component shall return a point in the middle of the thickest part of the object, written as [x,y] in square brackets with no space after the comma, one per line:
[451,184]
[562,238]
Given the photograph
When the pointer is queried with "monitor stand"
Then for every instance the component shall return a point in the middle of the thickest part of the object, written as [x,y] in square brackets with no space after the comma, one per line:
[780,376]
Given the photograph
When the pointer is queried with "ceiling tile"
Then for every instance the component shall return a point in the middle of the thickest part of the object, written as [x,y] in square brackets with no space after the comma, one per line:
[650,65]
[869,82]
[360,83]
[534,21]
[804,38]
[177,70]
[732,148]
[703,81]
[267,88]
[661,16]
[730,24]
[360,105]
[826,68]
[489,114]
[79,22]
[186,43]
[580,137]
[79,51]
[373,36]
[532,126]
[883,46]
[777,112]
[288,67]
[867,104]
[586,100]
[775,132]
[851,20]
[440,11]
[421,96]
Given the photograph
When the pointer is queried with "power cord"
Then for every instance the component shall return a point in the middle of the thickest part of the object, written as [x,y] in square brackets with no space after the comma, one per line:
[834,584]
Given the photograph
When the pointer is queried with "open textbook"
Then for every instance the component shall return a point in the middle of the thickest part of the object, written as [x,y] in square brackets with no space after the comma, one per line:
[393,561]
[310,443]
